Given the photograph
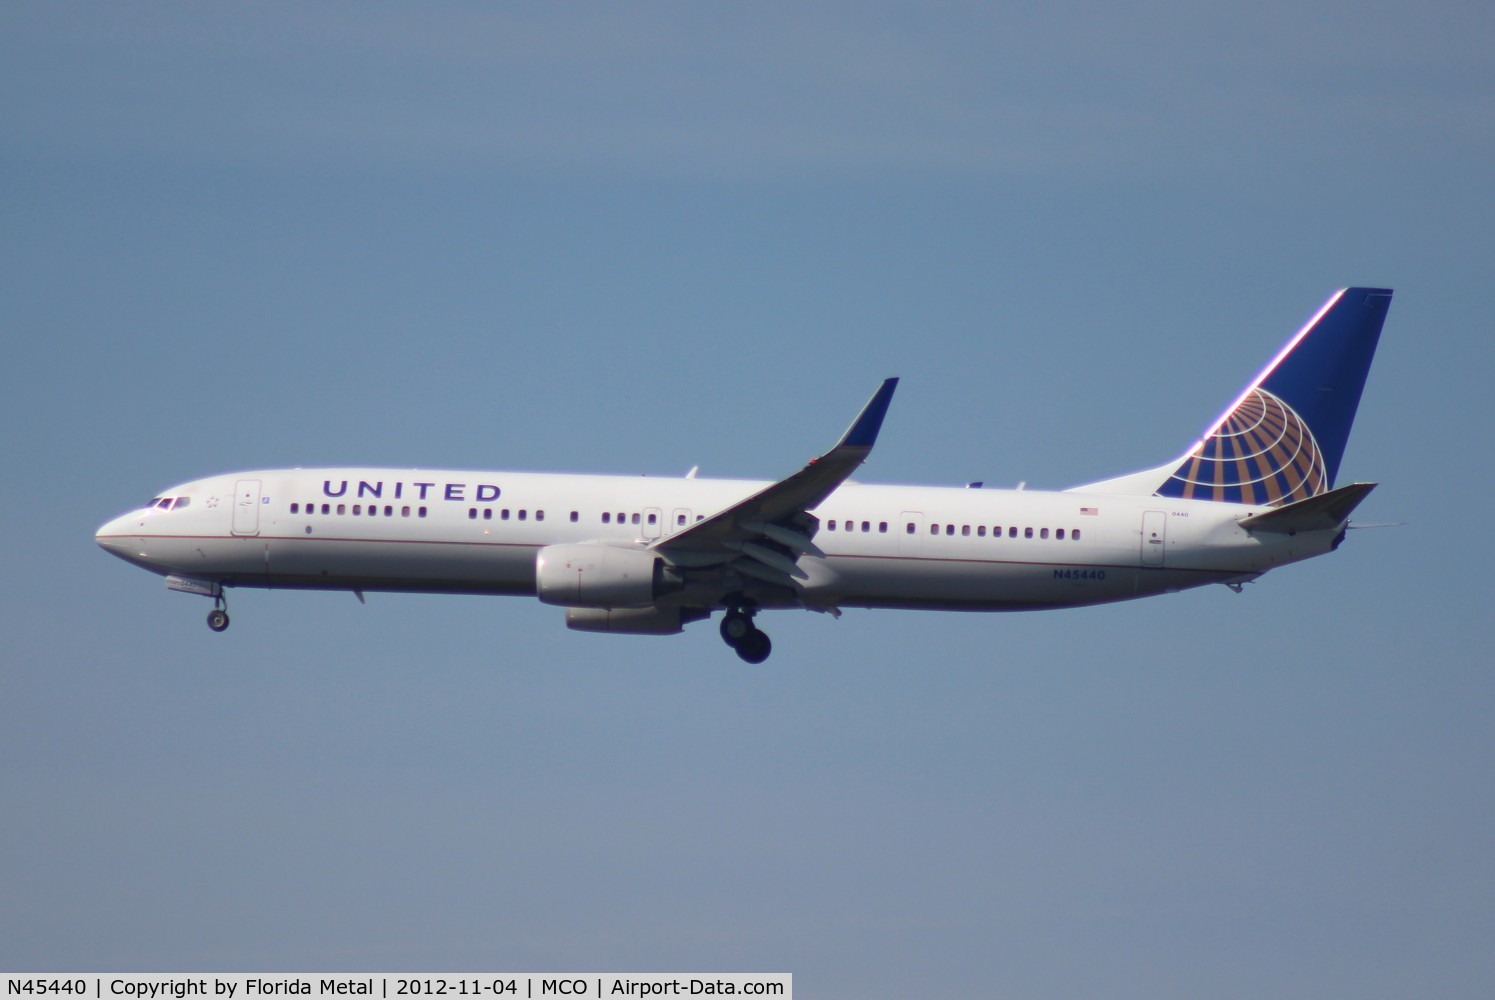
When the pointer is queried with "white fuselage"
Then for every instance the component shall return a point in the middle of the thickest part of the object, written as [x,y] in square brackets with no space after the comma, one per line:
[884,546]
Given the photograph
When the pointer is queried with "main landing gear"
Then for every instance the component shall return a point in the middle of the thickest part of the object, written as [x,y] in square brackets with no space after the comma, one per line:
[739,632]
[218,617]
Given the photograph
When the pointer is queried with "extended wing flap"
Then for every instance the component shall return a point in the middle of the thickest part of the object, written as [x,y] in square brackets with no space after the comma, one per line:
[1324,512]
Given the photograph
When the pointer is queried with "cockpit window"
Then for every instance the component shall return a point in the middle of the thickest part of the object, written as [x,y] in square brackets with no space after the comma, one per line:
[181,502]
[164,503]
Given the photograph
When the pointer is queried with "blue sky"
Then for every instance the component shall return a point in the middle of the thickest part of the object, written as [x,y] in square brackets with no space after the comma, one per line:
[638,239]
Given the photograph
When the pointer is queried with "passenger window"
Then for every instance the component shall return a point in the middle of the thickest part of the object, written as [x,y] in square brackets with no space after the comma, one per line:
[295,508]
[342,509]
[487,513]
[1075,535]
[422,512]
[1027,532]
[503,515]
[934,529]
[1012,532]
[980,531]
[949,529]
[607,518]
[539,515]
[635,519]
[965,530]
[523,514]
[358,508]
[866,526]
[1043,532]
[389,510]
[910,527]
[575,517]
[327,508]
[679,519]
[882,527]
[472,513]
[830,525]
[1059,534]
[653,518]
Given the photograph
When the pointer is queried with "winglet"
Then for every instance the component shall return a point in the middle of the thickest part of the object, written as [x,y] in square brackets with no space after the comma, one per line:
[864,429]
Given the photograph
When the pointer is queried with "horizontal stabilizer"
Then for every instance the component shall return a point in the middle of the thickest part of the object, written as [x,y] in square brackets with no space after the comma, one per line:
[1324,512]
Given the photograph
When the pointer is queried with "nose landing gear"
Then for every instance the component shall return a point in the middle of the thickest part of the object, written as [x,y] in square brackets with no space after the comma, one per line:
[738,631]
[218,617]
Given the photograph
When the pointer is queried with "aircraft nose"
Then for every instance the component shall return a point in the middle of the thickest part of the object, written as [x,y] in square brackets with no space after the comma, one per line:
[117,538]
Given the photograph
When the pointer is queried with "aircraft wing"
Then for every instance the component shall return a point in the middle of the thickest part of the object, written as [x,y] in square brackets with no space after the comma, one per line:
[763,535]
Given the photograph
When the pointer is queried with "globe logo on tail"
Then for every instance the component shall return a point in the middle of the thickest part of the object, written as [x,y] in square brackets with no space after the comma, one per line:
[1261,453]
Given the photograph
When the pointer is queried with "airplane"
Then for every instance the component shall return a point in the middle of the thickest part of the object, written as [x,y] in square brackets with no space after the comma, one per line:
[649,556]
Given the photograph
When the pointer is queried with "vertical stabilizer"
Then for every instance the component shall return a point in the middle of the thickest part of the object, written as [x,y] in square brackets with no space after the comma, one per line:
[1283,438]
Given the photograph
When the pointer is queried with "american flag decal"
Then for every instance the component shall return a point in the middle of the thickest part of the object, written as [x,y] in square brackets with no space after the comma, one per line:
[1092,511]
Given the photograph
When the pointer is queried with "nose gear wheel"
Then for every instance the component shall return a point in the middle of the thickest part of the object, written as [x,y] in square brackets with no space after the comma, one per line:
[218,617]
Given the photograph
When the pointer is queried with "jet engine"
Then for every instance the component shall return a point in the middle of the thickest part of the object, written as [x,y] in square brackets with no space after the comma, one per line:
[595,575]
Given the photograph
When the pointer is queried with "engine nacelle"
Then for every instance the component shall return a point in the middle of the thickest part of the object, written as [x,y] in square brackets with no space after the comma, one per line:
[638,621]
[594,575]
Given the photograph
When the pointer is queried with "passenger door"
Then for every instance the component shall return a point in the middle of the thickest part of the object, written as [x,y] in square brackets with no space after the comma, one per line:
[247,507]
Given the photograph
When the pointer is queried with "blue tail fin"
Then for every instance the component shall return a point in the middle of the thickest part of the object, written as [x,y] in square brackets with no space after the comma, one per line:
[1282,440]
[1283,437]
